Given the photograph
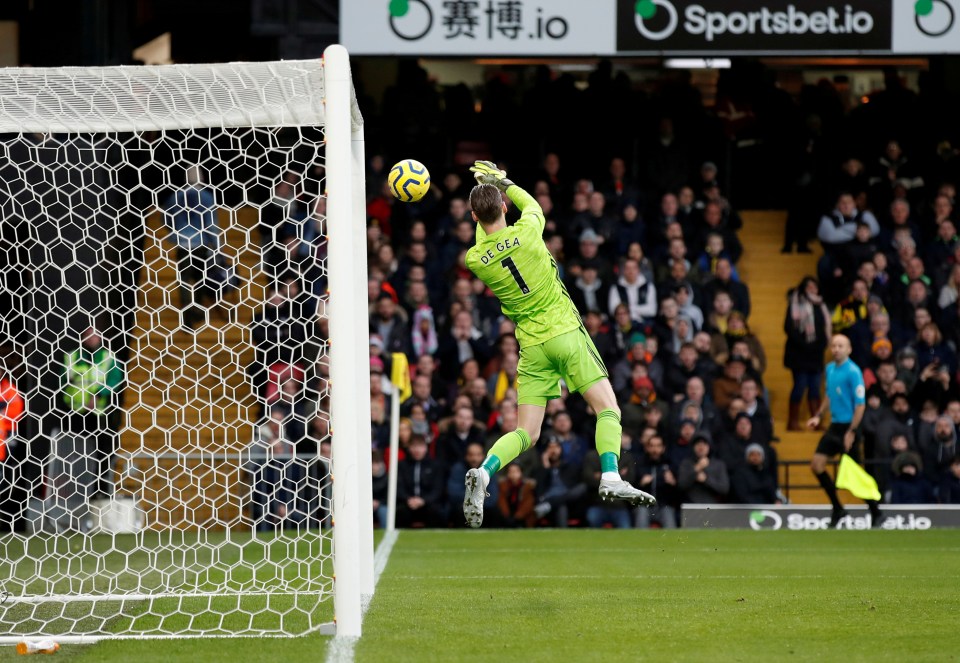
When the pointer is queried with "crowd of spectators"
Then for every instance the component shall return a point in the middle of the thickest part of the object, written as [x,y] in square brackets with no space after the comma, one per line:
[648,249]
[888,280]
[657,286]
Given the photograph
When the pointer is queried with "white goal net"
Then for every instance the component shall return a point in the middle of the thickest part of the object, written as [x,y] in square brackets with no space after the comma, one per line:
[169,299]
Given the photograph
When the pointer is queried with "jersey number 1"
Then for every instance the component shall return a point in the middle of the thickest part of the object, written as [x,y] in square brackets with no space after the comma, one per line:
[508,263]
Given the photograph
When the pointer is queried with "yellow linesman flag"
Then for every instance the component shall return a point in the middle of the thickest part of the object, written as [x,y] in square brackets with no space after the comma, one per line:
[854,478]
[400,376]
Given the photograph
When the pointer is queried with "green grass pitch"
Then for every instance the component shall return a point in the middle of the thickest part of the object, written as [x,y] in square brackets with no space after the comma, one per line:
[588,595]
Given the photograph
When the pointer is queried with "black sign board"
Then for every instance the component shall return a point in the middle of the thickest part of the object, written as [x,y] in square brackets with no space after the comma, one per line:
[713,27]
[814,517]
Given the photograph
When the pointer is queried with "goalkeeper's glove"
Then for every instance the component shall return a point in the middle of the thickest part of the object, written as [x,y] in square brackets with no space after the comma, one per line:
[486,172]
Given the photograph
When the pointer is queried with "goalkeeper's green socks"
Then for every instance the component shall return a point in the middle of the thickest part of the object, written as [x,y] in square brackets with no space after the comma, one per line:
[504,450]
[609,433]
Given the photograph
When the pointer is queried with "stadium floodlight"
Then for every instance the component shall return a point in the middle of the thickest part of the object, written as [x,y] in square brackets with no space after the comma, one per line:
[130,331]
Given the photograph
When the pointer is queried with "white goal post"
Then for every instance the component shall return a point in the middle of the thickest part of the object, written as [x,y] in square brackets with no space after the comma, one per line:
[189,495]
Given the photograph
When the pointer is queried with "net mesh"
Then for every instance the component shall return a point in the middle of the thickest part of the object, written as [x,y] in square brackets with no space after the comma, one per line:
[163,288]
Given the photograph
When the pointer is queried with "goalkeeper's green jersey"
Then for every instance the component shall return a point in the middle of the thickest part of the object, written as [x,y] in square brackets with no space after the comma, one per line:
[516,265]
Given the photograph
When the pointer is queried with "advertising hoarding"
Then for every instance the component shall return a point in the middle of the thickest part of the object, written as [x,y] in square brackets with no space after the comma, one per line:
[704,28]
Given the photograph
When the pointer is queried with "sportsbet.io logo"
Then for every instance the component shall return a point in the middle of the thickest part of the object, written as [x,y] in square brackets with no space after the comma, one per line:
[410,19]
[646,12]
[934,18]
[765,519]
[698,24]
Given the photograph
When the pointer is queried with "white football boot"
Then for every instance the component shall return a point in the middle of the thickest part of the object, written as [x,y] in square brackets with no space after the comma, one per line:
[621,490]
[476,492]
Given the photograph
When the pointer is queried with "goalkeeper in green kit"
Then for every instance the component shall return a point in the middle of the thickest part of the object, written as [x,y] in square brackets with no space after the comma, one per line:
[515,264]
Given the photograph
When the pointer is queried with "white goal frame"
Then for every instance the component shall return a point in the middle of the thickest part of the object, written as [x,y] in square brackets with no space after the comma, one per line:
[72,100]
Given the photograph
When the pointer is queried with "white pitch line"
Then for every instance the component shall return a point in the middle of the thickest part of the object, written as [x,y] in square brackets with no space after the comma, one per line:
[341,648]
[704,576]
[409,550]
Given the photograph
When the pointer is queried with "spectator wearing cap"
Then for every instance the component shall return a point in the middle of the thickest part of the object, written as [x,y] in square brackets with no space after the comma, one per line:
[708,179]
[642,397]
[881,350]
[703,480]
[633,289]
[907,371]
[626,368]
[752,483]
[588,244]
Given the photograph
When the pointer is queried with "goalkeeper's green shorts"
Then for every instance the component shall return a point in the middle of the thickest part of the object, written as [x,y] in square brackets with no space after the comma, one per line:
[571,357]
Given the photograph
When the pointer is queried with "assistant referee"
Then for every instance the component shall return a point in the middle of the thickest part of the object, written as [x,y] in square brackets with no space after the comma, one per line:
[846,398]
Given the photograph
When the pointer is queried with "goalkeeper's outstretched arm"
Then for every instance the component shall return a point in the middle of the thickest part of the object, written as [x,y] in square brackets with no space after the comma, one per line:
[530,210]
[486,172]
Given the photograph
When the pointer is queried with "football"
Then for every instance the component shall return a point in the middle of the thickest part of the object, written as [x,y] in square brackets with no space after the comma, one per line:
[409,180]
